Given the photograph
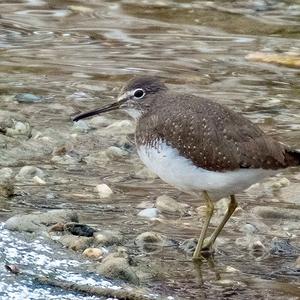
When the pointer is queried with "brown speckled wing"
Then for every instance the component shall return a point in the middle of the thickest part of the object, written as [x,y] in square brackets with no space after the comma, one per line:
[212,136]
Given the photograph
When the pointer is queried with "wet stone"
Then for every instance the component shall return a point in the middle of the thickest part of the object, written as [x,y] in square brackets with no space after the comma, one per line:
[93,253]
[75,243]
[79,229]
[108,237]
[168,205]
[149,213]
[189,245]
[267,212]
[117,266]
[29,172]
[6,182]
[40,221]
[28,98]
[282,247]
[104,191]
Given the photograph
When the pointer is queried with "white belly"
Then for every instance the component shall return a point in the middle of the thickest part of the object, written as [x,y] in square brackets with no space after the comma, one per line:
[181,173]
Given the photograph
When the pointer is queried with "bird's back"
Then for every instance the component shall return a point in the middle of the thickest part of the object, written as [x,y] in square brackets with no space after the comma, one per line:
[211,135]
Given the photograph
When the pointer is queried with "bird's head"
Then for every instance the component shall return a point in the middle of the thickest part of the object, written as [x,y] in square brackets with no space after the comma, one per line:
[135,97]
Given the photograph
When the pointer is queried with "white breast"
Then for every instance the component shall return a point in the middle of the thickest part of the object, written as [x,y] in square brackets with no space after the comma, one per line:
[180,172]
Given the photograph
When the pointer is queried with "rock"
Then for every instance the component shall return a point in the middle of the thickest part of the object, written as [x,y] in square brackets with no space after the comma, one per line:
[151,241]
[81,126]
[104,191]
[282,247]
[279,183]
[168,205]
[19,128]
[116,266]
[38,180]
[116,153]
[27,98]
[6,188]
[108,237]
[29,172]
[39,221]
[93,253]
[79,229]
[6,182]
[267,212]
[188,245]
[149,213]
[75,243]
[65,159]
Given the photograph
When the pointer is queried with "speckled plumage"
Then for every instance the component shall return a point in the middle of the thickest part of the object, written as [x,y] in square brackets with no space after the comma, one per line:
[212,136]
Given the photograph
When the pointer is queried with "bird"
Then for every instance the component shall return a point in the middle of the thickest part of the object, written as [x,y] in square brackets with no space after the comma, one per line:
[199,146]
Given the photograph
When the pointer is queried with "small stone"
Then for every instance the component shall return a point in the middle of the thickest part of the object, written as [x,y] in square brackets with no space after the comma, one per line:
[38,180]
[28,98]
[149,213]
[230,269]
[267,212]
[108,237]
[116,153]
[280,183]
[249,229]
[151,241]
[6,182]
[75,243]
[257,245]
[282,247]
[100,121]
[104,191]
[188,245]
[19,128]
[29,172]
[117,268]
[93,253]
[168,205]
[57,227]
[81,126]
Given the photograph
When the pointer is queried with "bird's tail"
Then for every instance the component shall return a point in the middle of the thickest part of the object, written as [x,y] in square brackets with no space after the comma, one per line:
[293,157]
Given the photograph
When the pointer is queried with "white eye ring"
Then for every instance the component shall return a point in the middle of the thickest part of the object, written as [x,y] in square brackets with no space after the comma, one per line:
[139,93]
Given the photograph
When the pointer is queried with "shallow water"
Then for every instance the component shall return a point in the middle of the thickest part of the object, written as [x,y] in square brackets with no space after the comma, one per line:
[76,55]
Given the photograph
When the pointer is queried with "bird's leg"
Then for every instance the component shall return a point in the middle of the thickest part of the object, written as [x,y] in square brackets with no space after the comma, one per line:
[231,208]
[209,213]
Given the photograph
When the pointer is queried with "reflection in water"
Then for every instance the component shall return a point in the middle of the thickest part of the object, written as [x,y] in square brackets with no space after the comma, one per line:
[76,54]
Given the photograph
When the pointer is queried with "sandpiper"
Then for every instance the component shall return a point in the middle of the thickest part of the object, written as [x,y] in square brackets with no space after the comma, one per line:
[198,145]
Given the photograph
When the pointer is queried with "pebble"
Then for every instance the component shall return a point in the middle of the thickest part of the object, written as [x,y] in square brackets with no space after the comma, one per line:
[116,267]
[6,182]
[19,128]
[104,191]
[114,152]
[76,243]
[81,126]
[168,205]
[38,180]
[267,212]
[150,240]
[100,121]
[29,172]
[93,253]
[28,98]
[108,237]
[149,213]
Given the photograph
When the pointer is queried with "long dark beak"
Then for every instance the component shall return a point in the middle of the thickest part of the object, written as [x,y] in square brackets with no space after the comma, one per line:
[109,107]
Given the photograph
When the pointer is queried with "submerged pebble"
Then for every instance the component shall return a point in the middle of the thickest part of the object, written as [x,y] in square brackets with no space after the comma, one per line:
[168,205]
[149,213]
[27,98]
[29,172]
[93,253]
[108,237]
[104,191]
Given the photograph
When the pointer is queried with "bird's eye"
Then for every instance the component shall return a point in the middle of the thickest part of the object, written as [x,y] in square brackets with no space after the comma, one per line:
[139,93]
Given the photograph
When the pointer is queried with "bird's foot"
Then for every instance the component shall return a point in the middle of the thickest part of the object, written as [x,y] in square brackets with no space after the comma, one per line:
[206,252]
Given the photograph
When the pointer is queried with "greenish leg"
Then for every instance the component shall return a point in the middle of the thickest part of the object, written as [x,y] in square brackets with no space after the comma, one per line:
[231,208]
[209,213]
